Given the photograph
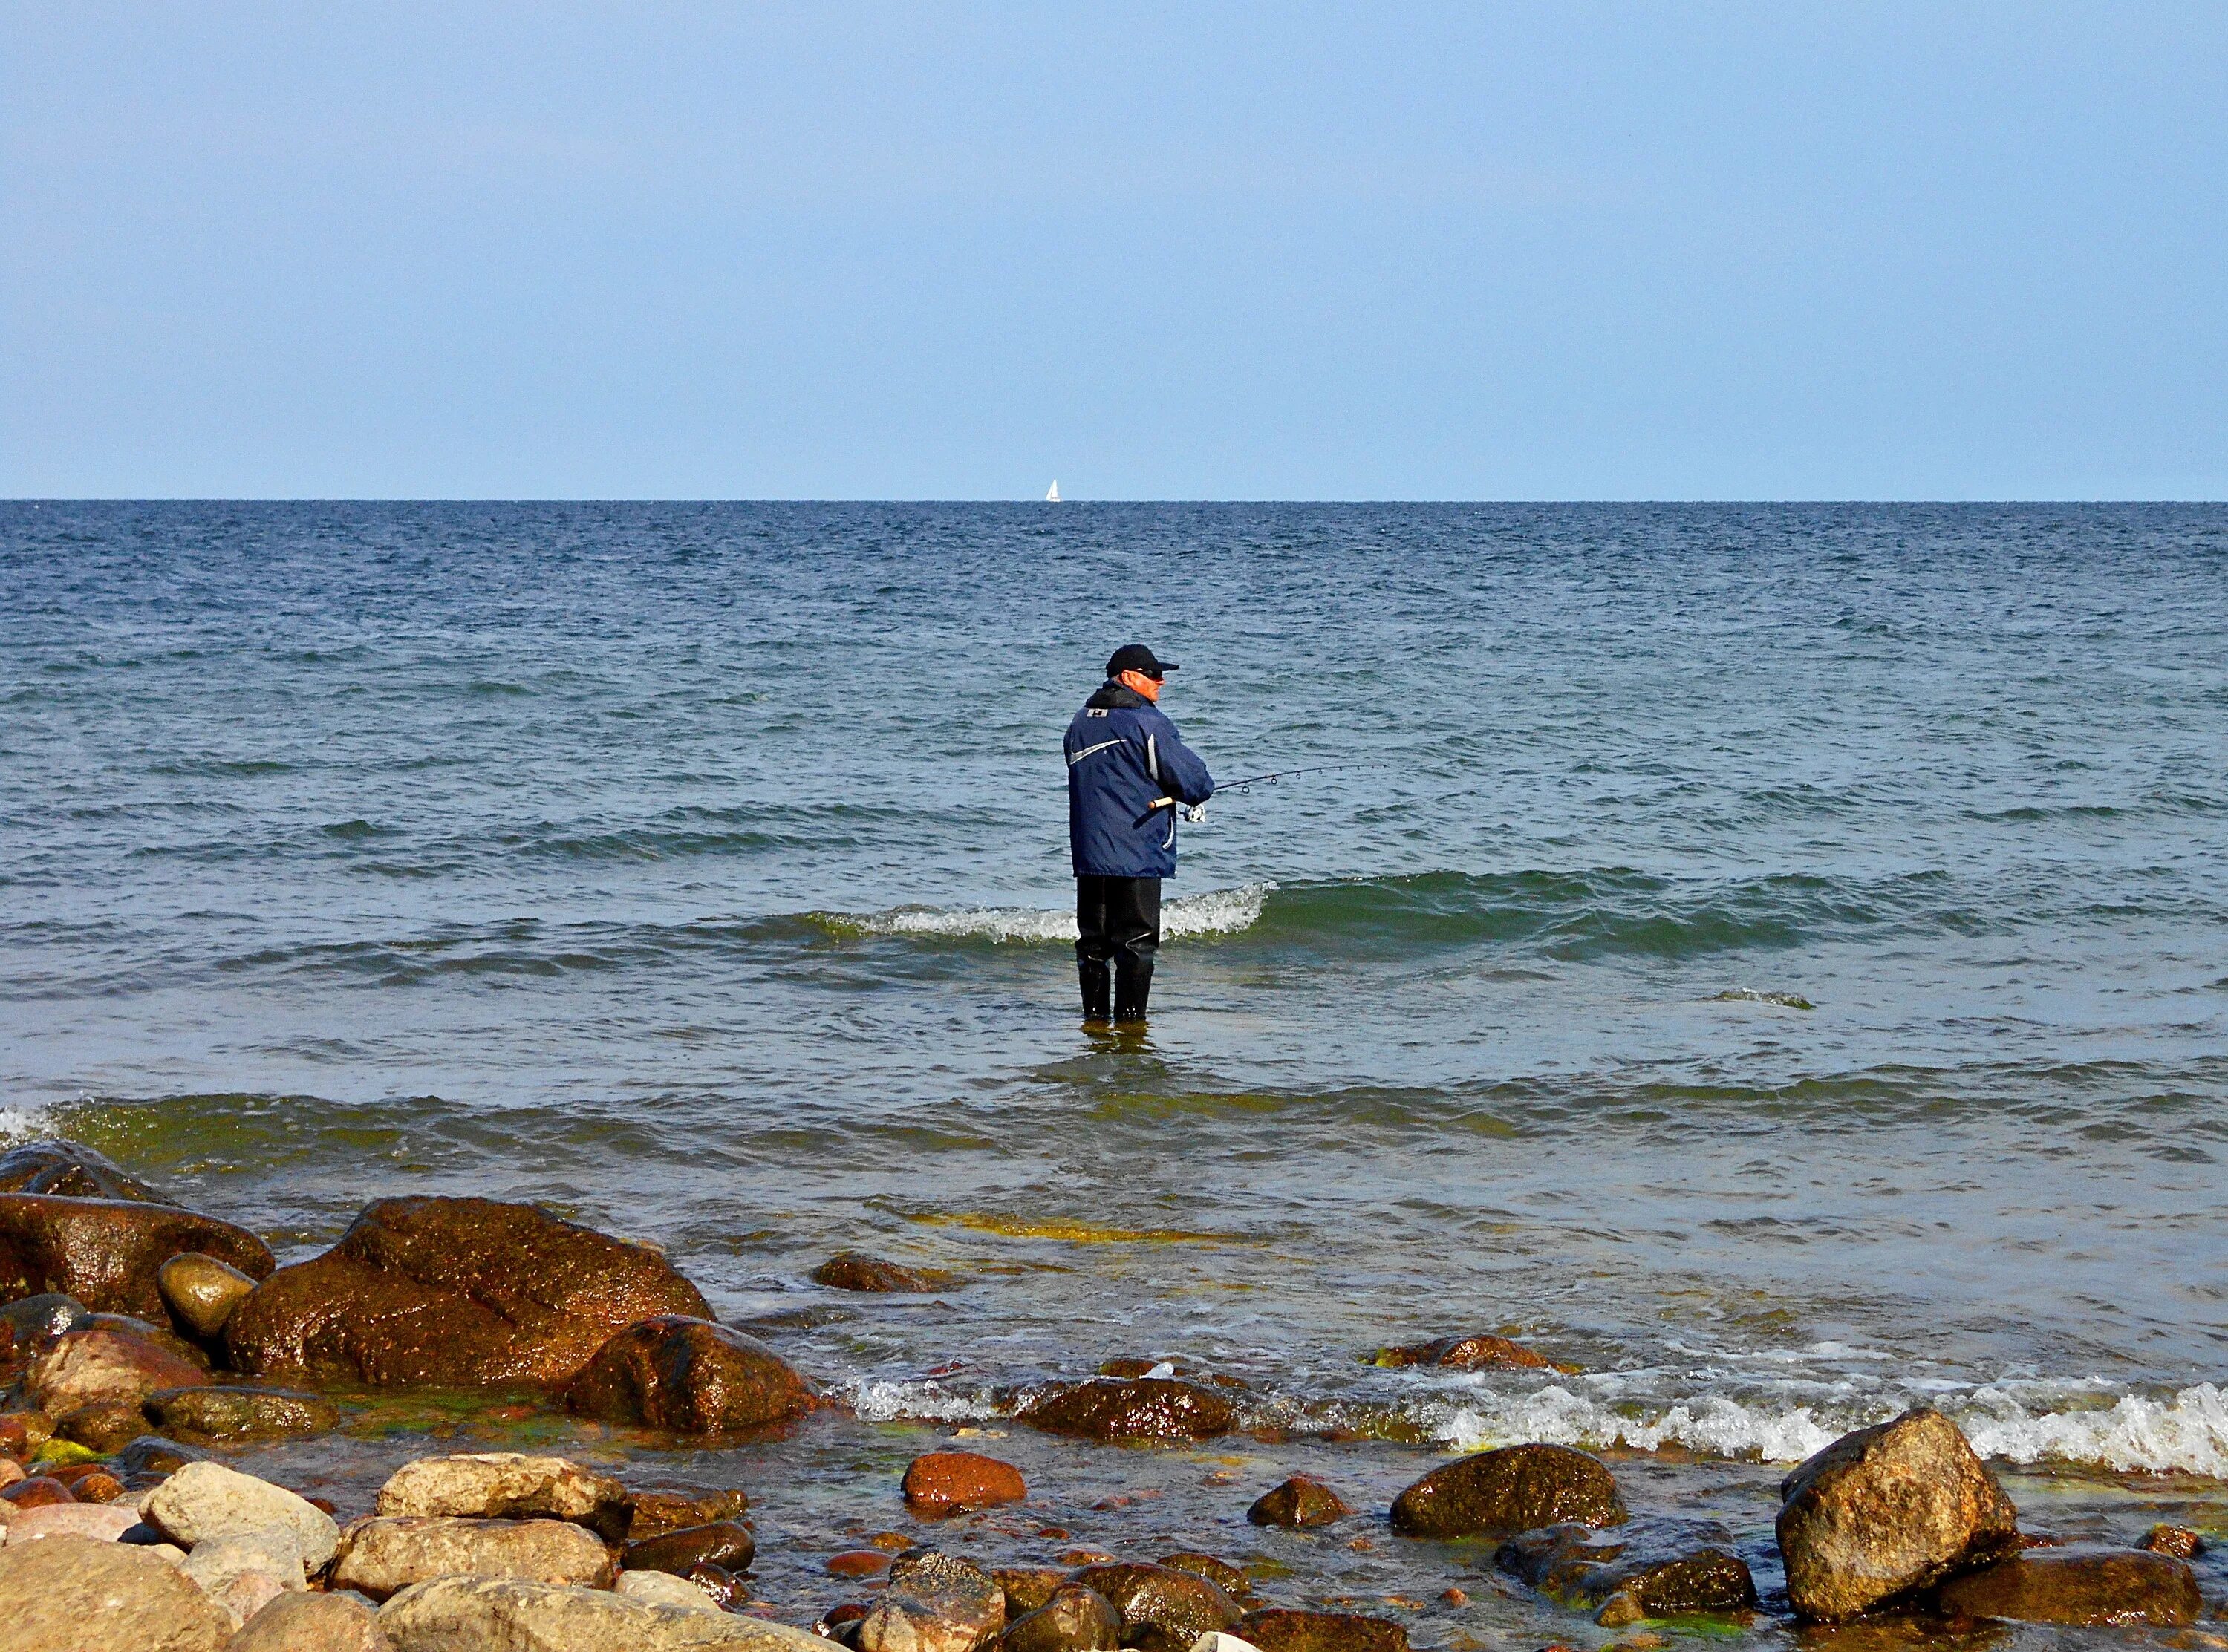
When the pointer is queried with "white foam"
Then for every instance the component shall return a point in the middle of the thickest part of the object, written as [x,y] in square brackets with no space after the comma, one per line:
[1216,912]
[21,1124]
[2188,1433]
[881,1401]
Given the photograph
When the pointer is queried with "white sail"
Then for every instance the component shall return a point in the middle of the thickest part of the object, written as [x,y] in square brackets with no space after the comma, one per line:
[1052,495]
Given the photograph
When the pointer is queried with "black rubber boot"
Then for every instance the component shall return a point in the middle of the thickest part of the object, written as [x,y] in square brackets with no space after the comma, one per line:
[1133,984]
[1097,988]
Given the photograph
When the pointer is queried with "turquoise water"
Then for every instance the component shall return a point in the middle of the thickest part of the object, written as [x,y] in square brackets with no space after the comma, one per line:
[1774,962]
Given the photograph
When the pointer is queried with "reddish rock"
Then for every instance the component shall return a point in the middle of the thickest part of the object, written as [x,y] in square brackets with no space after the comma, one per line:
[1482,1352]
[102,1366]
[1163,1609]
[1231,1579]
[2091,1587]
[1300,1501]
[1280,1630]
[70,1169]
[857,1271]
[462,1292]
[935,1602]
[726,1544]
[1514,1490]
[655,1513]
[945,1482]
[689,1375]
[859,1563]
[40,1491]
[1662,1567]
[107,1252]
[2177,1540]
[1143,1408]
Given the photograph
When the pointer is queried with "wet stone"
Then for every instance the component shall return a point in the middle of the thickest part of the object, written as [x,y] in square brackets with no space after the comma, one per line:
[34,1321]
[1073,1619]
[1517,1489]
[1163,1609]
[105,1252]
[691,1376]
[1139,1409]
[102,1366]
[726,1544]
[104,1427]
[946,1483]
[2178,1540]
[38,1492]
[227,1413]
[2091,1587]
[1028,1587]
[151,1454]
[858,1271]
[1280,1630]
[1231,1579]
[70,1169]
[654,1513]
[202,1291]
[935,1602]
[1302,1501]
[1480,1352]
[870,1563]
[1665,1567]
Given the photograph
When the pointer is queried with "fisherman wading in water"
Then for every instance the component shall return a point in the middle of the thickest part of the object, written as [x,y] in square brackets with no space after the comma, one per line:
[1129,771]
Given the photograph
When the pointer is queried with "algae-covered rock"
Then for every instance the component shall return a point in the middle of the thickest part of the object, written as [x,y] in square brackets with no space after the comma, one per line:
[1278,1629]
[107,1254]
[1888,1510]
[1514,1490]
[689,1375]
[1665,1566]
[1137,1408]
[241,1414]
[2091,1587]
[465,1292]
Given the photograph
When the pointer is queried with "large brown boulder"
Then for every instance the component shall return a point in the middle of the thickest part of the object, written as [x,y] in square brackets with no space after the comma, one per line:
[1888,1510]
[1163,1609]
[1666,1567]
[68,1593]
[1514,1490]
[71,1169]
[2093,1587]
[1139,1409]
[460,1293]
[107,1252]
[689,1375]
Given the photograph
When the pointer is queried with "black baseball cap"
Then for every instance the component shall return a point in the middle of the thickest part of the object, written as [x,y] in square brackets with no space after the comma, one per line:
[1136,656]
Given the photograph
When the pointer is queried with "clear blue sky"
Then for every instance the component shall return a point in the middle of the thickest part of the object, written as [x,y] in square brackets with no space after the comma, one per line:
[1194,251]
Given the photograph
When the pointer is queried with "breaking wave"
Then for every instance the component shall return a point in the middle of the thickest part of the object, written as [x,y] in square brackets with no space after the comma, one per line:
[1216,912]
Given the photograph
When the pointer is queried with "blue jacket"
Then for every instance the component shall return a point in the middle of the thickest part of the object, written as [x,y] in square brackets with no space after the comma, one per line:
[1123,754]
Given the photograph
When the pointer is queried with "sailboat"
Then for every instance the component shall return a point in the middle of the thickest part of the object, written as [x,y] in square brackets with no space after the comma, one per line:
[1051,493]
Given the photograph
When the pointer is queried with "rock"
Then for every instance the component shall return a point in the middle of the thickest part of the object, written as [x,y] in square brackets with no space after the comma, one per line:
[11,1473]
[1027,1587]
[152,1455]
[105,1252]
[1231,1580]
[1220,1642]
[102,1366]
[1163,1609]
[1666,1567]
[2093,1587]
[1482,1352]
[465,1292]
[37,1320]
[2177,1540]
[664,1589]
[161,1335]
[856,1270]
[1885,1511]
[1300,1501]
[303,1622]
[213,1414]
[104,1427]
[1513,1490]
[935,1602]
[1280,1630]
[726,1544]
[246,1573]
[106,1521]
[945,1482]
[202,1291]
[99,1486]
[70,1594]
[688,1375]
[71,1169]
[659,1512]
[1137,1408]
[206,1500]
[729,1592]
[468,1614]
[509,1485]
[1073,1619]
[385,1555]
[37,1491]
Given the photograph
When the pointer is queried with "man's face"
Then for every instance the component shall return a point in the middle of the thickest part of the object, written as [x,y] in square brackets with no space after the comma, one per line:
[1137,682]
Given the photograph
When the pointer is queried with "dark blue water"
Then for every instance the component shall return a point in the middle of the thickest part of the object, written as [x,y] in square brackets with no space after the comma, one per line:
[1774,962]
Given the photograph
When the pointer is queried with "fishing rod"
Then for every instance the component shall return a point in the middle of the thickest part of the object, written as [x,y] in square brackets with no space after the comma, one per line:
[1265,779]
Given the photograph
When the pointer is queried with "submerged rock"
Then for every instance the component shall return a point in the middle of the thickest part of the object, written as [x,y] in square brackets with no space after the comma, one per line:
[1027,1587]
[1231,1579]
[103,1427]
[1280,1630]
[659,1512]
[2093,1587]
[216,1413]
[1665,1567]
[945,1482]
[1888,1510]
[1481,1352]
[1137,1408]
[1514,1490]
[207,1500]
[202,1291]
[384,1555]
[1302,1501]
[465,1292]
[509,1485]
[1163,1609]
[935,1602]
[70,1593]
[152,1455]
[304,1623]
[72,1169]
[453,1614]
[2178,1540]
[34,1321]
[726,1544]
[857,1271]
[1074,1618]
[106,1252]
[99,1366]
[689,1375]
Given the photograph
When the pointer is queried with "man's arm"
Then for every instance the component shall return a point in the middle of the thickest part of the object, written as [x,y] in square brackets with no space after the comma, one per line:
[1178,769]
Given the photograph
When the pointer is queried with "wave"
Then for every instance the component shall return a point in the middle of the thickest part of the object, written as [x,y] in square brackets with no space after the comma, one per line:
[1216,912]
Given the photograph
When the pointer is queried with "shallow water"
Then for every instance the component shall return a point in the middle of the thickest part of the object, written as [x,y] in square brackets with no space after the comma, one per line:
[1773,962]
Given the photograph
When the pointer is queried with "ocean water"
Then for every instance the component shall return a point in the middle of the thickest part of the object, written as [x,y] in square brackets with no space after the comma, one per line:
[1769,958]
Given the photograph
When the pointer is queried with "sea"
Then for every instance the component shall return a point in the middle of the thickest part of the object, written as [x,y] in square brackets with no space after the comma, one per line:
[1770,959]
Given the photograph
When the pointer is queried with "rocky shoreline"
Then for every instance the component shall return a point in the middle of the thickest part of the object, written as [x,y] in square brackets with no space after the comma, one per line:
[141,1344]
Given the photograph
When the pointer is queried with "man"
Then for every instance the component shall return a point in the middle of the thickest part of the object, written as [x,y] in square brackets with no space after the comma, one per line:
[1127,772]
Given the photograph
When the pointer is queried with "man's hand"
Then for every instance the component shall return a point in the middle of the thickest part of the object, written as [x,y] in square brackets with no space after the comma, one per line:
[1194,813]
